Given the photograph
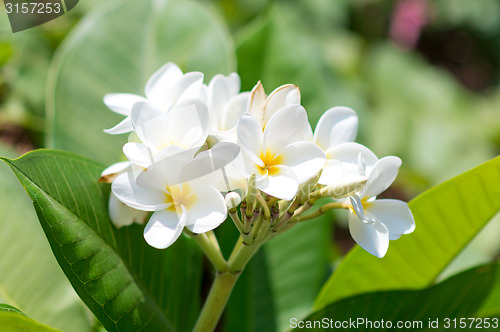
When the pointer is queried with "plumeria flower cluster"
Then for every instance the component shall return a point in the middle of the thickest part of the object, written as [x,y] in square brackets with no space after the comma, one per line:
[199,152]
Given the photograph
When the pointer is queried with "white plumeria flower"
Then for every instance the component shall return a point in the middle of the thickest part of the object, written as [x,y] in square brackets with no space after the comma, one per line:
[119,213]
[176,204]
[123,215]
[263,107]
[347,161]
[281,156]
[336,126]
[225,105]
[373,222]
[167,87]
[184,126]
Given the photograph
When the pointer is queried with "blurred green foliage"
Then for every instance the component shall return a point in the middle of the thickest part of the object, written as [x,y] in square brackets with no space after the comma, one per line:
[434,103]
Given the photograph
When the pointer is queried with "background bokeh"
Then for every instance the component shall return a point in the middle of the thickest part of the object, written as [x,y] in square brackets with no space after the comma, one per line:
[422,75]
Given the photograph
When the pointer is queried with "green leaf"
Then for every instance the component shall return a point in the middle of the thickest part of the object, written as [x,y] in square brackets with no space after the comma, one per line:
[251,305]
[8,308]
[282,280]
[447,217]
[460,296]
[30,278]
[13,322]
[298,263]
[116,49]
[125,283]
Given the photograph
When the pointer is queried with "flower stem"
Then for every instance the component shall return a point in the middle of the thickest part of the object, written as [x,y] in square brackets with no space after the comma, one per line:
[319,211]
[210,246]
[240,257]
[223,285]
[262,202]
[216,301]
[236,220]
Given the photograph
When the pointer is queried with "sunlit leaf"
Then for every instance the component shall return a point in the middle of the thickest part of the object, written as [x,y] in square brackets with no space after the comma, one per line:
[30,278]
[127,284]
[8,308]
[13,322]
[447,217]
[460,297]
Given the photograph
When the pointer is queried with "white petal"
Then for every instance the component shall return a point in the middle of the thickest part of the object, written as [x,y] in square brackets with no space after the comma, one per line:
[233,82]
[207,212]
[172,150]
[230,177]
[123,215]
[382,175]
[284,95]
[188,87]
[234,110]
[121,103]
[162,81]
[148,131]
[287,125]
[394,214]
[187,124]
[167,171]
[123,127]
[143,112]
[116,168]
[332,172]
[373,237]
[281,183]
[337,125]
[140,198]
[357,206]
[209,161]
[257,102]
[250,137]
[347,155]
[138,153]
[164,228]
[304,158]
[220,92]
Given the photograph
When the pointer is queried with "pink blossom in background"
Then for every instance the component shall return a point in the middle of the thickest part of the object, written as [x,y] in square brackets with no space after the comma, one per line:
[409,17]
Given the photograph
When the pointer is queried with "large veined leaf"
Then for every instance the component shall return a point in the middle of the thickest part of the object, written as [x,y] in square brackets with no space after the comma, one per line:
[447,217]
[30,278]
[127,284]
[14,322]
[457,300]
[116,49]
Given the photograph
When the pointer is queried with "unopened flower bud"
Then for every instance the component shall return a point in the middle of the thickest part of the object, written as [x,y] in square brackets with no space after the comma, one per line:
[251,190]
[307,187]
[233,199]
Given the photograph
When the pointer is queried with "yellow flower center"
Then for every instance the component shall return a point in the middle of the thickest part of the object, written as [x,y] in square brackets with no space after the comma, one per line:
[364,203]
[270,163]
[178,195]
